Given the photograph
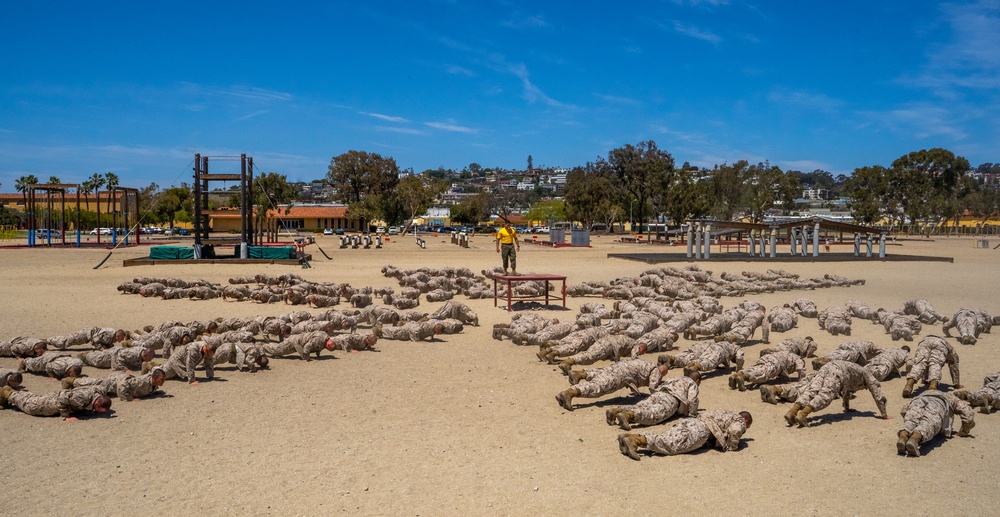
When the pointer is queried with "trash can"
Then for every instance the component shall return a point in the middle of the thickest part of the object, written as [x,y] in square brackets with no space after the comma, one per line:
[580,237]
[557,235]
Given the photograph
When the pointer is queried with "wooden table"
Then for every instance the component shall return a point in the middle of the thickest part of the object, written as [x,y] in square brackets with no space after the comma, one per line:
[510,280]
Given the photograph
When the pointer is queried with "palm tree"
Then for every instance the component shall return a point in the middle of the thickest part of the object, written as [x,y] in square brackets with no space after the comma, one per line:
[111,180]
[22,184]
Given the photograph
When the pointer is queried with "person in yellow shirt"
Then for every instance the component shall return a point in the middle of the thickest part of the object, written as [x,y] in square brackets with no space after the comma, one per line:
[507,246]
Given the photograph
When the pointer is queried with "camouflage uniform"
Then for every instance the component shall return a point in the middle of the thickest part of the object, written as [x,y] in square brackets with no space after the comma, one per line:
[857,351]
[5,374]
[802,347]
[782,319]
[932,354]
[923,310]
[657,340]
[805,307]
[52,364]
[123,385]
[931,413]
[678,395]
[351,341]
[859,310]
[20,347]
[117,358]
[835,320]
[304,344]
[243,355]
[413,331]
[63,403]
[773,365]
[184,360]
[716,324]
[840,379]
[575,342]
[720,353]
[787,392]
[744,329]
[691,434]
[610,347]
[549,333]
[967,322]
[631,373]
[886,362]
[899,326]
[641,323]
[987,397]
[457,310]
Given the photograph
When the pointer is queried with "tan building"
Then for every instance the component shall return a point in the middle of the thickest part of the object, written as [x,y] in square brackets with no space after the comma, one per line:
[306,217]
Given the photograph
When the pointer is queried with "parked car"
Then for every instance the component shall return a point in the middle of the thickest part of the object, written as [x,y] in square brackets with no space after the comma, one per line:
[393,230]
[102,231]
[380,229]
[339,231]
[327,231]
[45,233]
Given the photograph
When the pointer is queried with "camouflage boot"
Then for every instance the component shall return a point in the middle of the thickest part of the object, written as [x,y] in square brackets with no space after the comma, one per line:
[770,394]
[933,385]
[625,420]
[575,376]
[913,445]
[629,444]
[611,415]
[790,415]
[566,366]
[802,418]
[542,354]
[565,398]
[908,390]
[67,383]
[901,442]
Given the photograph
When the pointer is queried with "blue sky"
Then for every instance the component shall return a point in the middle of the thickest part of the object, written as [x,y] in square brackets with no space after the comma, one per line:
[138,87]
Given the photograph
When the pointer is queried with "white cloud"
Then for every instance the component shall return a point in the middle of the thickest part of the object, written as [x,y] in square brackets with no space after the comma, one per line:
[403,130]
[239,91]
[388,118]
[696,33]
[536,21]
[451,127]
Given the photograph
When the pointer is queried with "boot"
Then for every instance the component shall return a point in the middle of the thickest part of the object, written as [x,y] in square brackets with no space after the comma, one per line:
[514,272]
[933,385]
[625,419]
[963,394]
[5,394]
[565,398]
[901,443]
[770,394]
[67,383]
[741,381]
[378,331]
[913,445]
[908,390]
[629,444]
[576,376]
[790,415]
[566,365]
[732,380]
[692,367]
[611,415]
[987,404]
[803,417]
[541,354]
[497,334]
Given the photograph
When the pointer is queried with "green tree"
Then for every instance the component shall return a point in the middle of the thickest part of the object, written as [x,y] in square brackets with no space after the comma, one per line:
[269,191]
[548,211]
[867,192]
[765,187]
[472,210]
[688,198]
[171,201]
[54,180]
[727,188]
[590,195]
[22,184]
[641,170]
[415,195]
[924,180]
[358,174]
[984,204]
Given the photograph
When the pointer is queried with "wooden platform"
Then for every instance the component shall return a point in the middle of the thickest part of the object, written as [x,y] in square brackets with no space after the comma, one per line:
[509,280]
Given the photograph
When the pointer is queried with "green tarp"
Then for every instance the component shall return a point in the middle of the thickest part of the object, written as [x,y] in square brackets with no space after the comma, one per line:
[170,252]
[269,252]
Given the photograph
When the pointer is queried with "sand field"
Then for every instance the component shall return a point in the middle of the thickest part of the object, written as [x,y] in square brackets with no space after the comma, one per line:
[468,425]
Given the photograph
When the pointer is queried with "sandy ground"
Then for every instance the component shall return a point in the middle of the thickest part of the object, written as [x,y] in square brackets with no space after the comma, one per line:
[466,425]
